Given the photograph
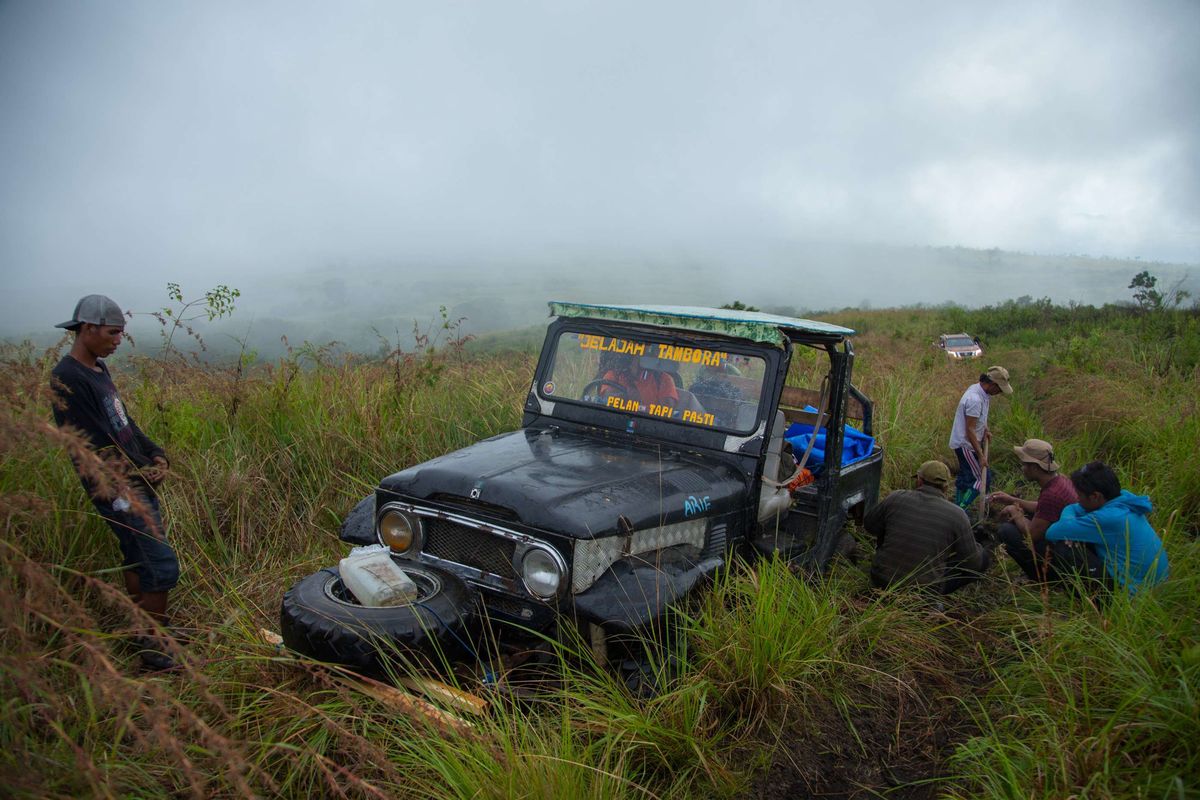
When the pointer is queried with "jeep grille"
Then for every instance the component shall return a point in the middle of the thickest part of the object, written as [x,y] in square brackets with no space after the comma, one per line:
[470,546]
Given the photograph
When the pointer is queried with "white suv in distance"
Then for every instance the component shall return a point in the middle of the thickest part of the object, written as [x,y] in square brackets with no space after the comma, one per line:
[960,345]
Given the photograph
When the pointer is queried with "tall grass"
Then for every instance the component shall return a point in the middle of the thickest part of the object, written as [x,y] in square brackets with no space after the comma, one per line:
[1094,701]
[820,685]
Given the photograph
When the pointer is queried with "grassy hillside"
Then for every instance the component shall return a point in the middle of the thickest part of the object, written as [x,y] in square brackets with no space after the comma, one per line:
[790,688]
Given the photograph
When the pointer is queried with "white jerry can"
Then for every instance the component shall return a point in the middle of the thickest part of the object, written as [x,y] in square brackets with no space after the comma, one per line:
[375,579]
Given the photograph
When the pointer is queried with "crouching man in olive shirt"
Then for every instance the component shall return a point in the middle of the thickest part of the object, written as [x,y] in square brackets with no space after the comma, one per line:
[923,539]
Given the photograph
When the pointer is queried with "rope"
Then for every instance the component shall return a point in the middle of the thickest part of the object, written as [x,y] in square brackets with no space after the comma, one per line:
[449,630]
[821,404]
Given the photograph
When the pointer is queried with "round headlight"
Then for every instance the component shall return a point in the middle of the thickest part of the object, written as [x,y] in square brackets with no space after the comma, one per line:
[397,531]
[541,572]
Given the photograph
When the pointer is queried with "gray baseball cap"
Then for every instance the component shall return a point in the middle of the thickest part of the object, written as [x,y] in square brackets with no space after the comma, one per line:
[95,309]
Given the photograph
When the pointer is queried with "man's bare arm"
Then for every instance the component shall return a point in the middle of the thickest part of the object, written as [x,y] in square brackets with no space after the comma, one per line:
[974,440]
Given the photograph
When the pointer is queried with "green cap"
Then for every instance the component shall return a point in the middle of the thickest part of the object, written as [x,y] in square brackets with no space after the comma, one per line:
[935,473]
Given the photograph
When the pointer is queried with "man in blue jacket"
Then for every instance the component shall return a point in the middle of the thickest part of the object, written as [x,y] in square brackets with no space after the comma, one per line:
[1113,520]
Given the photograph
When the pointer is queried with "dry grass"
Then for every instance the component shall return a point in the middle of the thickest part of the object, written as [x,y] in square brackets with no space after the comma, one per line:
[1072,403]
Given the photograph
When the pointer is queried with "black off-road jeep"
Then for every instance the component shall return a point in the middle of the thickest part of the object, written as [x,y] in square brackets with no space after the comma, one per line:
[652,449]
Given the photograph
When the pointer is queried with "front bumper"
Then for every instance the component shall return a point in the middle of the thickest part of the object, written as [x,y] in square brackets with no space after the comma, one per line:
[636,593]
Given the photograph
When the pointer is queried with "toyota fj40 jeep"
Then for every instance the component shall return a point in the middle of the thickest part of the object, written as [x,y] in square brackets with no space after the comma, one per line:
[651,451]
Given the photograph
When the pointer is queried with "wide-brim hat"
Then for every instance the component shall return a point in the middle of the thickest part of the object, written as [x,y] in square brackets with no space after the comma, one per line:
[1039,452]
[999,376]
[95,309]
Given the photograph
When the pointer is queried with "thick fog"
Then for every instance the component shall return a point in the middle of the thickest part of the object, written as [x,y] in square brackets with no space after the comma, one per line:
[363,162]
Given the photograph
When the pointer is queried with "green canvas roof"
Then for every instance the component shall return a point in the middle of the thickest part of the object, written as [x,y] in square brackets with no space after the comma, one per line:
[753,325]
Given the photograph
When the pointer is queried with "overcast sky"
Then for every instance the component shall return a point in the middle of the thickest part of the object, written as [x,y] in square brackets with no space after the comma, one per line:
[215,142]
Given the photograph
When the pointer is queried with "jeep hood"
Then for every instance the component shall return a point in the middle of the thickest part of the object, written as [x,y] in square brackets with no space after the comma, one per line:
[579,485]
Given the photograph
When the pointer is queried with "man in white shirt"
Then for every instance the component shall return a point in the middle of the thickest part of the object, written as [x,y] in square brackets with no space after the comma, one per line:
[970,432]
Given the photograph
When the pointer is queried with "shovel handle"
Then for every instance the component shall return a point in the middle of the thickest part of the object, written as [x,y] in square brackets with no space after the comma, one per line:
[984,479]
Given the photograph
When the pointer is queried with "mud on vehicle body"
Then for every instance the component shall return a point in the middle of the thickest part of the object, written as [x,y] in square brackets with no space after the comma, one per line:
[650,453]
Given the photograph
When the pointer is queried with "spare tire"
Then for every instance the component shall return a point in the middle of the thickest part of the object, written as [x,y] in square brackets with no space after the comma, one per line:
[321,619]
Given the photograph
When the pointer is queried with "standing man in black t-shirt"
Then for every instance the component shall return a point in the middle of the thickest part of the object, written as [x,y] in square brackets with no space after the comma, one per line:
[87,400]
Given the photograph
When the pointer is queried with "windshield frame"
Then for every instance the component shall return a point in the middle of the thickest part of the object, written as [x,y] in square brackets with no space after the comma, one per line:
[576,409]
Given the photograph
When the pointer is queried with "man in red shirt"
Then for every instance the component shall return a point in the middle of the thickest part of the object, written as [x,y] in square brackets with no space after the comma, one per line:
[1023,530]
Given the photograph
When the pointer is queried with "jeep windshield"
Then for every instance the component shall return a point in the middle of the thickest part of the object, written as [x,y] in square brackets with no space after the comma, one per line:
[634,374]
[959,341]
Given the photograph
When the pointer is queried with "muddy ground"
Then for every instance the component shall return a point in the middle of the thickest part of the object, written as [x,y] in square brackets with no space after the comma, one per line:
[891,752]
[895,744]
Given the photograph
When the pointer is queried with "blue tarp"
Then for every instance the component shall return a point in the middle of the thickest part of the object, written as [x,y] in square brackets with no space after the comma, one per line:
[856,445]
